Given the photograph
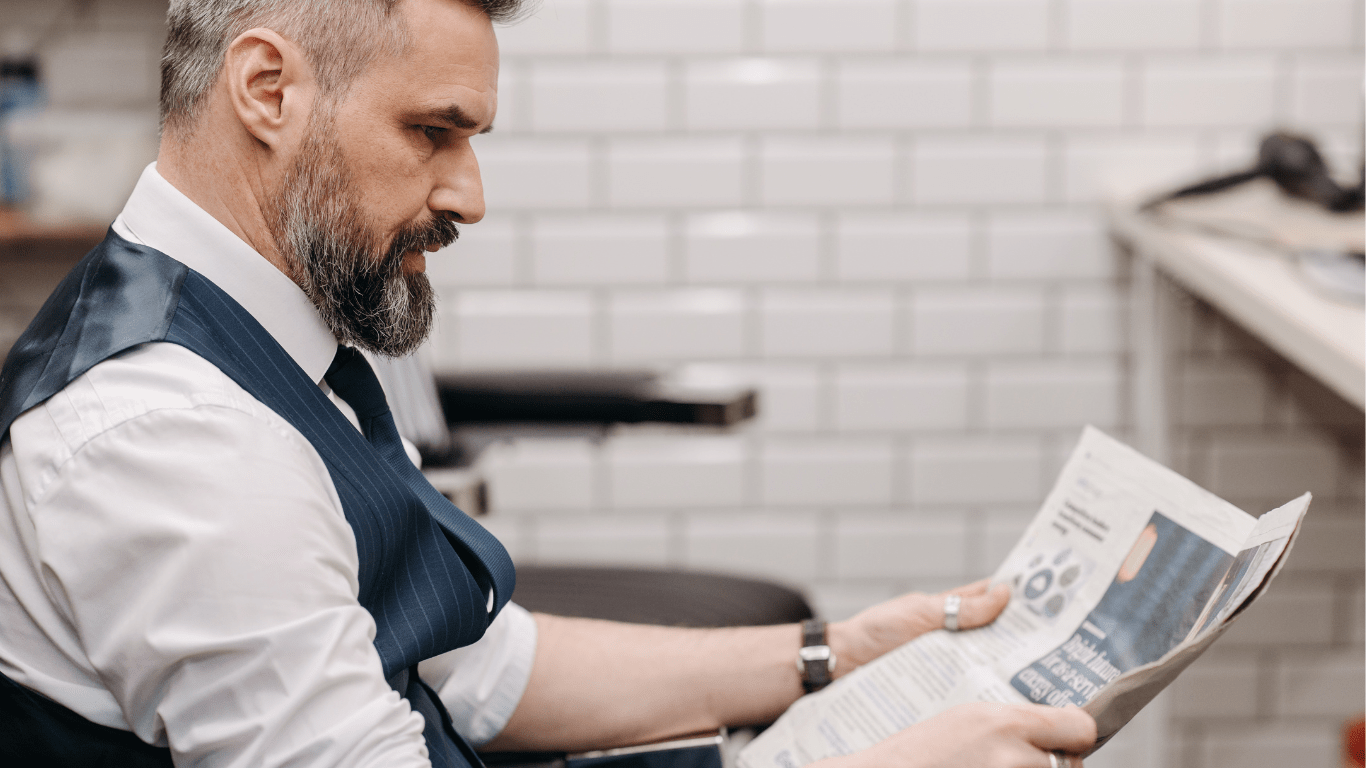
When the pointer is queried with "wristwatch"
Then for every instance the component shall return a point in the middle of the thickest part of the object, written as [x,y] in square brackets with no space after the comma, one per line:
[815,660]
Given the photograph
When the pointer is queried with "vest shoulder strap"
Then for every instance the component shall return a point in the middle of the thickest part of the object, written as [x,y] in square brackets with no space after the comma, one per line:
[94,313]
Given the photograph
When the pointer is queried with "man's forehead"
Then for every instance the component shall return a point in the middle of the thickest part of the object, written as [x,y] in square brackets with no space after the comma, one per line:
[449,34]
[446,74]
[451,57]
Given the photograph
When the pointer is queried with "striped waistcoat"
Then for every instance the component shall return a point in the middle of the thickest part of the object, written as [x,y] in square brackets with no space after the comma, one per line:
[425,567]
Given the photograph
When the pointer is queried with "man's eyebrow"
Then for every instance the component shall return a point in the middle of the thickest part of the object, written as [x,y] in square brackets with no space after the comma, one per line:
[455,116]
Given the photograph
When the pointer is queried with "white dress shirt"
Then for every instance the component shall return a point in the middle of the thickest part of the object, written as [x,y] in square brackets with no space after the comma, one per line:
[174,559]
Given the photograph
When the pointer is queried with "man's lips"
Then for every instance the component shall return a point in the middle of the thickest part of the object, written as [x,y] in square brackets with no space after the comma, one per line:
[415,261]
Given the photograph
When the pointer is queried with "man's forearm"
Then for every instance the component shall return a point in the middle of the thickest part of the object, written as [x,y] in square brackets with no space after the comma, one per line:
[597,684]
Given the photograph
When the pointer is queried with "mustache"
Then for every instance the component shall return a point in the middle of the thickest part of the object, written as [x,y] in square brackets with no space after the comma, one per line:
[437,232]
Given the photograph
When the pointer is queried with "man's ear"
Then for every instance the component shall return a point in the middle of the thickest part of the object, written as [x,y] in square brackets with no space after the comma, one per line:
[270,86]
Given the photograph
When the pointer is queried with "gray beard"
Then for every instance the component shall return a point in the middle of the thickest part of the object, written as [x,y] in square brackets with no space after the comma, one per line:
[342,264]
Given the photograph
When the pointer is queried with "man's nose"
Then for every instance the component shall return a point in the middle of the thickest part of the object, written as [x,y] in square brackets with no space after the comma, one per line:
[458,191]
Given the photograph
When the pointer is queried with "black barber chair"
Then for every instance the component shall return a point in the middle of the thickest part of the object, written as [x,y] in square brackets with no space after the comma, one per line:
[647,596]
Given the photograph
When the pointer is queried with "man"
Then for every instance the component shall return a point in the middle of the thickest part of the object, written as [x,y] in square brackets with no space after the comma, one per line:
[212,547]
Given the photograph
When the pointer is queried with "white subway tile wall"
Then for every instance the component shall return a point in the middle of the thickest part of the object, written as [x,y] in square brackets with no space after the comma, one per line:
[1325,90]
[980,321]
[973,471]
[1070,393]
[901,398]
[653,471]
[1277,23]
[833,323]
[1134,25]
[775,544]
[904,93]
[597,250]
[885,216]
[488,255]
[748,246]
[544,474]
[502,329]
[981,25]
[675,26]
[1205,90]
[980,170]
[681,324]
[1320,687]
[752,94]
[565,27]
[1078,93]
[682,172]
[1220,684]
[828,25]
[640,538]
[598,96]
[839,471]
[1249,426]
[1090,320]
[1129,161]
[905,247]
[827,171]
[1056,245]
[525,172]
[1237,744]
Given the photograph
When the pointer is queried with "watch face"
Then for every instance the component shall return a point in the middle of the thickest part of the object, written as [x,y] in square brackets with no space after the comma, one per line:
[816,663]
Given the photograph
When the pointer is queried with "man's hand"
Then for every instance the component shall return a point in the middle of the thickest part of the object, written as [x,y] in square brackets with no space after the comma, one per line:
[981,735]
[900,620]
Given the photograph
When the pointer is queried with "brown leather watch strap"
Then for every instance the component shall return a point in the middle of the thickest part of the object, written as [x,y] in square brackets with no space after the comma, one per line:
[815,660]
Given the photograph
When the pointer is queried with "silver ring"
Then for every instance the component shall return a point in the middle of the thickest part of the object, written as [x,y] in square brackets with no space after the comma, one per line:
[951,605]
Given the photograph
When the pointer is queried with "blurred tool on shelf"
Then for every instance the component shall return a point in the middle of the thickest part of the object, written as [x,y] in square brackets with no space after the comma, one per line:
[1297,168]
[1284,263]
[1288,203]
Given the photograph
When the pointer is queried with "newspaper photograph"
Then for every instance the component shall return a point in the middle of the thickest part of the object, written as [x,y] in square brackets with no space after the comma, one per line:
[1127,573]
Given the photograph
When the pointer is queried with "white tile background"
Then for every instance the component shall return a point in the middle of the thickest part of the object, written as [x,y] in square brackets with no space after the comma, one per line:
[883,214]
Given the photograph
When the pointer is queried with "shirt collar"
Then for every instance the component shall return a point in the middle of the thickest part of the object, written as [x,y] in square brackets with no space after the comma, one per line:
[160,216]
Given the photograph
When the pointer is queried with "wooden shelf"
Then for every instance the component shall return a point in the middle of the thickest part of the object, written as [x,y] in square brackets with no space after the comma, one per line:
[22,239]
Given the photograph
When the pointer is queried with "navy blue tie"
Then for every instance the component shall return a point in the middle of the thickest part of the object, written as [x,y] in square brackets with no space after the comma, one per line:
[352,378]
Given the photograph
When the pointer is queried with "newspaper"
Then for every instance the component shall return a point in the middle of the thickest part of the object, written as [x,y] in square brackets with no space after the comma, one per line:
[1126,575]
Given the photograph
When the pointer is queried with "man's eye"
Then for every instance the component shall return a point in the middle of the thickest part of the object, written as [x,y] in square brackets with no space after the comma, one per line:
[433,132]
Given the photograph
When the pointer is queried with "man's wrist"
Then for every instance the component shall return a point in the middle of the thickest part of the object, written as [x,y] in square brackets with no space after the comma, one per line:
[838,636]
[852,643]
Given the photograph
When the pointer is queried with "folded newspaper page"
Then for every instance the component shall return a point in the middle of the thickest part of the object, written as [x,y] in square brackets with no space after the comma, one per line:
[1126,575]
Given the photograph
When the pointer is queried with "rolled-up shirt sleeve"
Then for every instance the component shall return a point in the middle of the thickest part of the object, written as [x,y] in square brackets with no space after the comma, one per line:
[201,556]
[482,684]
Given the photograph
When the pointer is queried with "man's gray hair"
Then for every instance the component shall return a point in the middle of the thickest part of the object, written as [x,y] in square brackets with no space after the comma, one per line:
[340,38]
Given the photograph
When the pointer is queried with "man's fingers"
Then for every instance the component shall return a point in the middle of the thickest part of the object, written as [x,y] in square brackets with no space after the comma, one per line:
[1069,729]
[980,609]
[975,588]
